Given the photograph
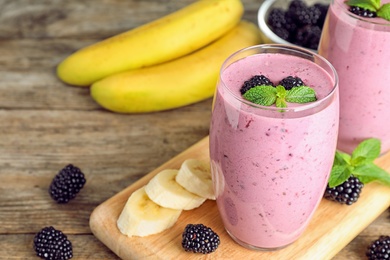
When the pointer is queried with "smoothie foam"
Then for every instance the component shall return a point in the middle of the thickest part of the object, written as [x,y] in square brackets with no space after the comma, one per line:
[270,168]
[359,49]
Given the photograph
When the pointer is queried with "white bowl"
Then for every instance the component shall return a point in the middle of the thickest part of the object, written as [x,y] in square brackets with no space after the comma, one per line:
[267,34]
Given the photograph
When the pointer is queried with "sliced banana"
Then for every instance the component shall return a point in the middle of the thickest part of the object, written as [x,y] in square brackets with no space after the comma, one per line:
[166,192]
[195,176]
[142,217]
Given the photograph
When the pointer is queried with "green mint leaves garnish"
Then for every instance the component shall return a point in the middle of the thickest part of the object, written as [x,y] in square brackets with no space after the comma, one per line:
[360,164]
[382,11]
[269,95]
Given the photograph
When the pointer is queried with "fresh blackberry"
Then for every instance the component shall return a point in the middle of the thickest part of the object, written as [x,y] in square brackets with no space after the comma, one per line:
[282,33]
[290,82]
[323,10]
[379,249]
[298,11]
[198,238]
[308,36]
[256,80]
[276,18]
[66,184]
[362,12]
[345,193]
[307,15]
[51,244]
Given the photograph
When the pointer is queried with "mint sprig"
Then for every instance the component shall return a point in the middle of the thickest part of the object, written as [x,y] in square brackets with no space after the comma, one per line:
[382,11]
[269,95]
[360,164]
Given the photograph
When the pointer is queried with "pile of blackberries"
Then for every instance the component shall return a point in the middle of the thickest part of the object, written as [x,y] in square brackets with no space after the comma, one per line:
[300,24]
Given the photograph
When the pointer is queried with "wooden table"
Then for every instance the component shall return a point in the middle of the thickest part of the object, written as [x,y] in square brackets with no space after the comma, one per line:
[45,124]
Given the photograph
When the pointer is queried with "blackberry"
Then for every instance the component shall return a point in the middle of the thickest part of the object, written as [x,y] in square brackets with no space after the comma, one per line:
[345,193]
[198,238]
[66,184]
[256,80]
[379,249]
[276,18]
[308,36]
[51,244]
[323,9]
[290,82]
[362,12]
[307,15]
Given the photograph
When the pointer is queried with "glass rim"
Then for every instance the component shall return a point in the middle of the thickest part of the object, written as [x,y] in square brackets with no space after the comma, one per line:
[379,22]
[286,47]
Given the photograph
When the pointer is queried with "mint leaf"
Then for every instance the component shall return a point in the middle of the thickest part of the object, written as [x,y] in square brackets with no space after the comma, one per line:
[261,95]
[338,175]
[280,102]
[372,5]
[281,93]
[360,164]
[341,158]
[369,172]
[302,94]
[384,12]
[366,151]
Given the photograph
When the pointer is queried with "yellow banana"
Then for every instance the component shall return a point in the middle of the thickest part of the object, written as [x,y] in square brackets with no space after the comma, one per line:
[177,83]
[164,39]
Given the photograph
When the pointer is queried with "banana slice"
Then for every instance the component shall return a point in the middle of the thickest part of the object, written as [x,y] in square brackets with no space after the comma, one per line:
[195,176]
[166,192]
[142,217]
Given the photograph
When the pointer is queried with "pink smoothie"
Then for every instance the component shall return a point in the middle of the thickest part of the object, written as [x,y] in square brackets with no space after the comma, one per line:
[270,168]
[359,49]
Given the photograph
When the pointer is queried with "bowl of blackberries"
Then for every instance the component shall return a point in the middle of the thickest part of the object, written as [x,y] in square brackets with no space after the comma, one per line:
[294,22]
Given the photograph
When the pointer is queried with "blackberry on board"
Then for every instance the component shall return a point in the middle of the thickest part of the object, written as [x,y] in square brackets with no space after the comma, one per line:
[52,244]
[290,82]
[198,238]
[379,249]
[362,12]
[66,184]
[346,193]
[256,80]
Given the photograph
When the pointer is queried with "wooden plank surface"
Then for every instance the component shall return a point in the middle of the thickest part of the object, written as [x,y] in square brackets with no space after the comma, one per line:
[45,124]
[332,227]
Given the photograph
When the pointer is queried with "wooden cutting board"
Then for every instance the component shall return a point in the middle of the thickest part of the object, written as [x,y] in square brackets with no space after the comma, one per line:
[332,227]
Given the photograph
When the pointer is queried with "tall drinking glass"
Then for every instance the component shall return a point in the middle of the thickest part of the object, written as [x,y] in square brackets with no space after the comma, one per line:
[359,49]
[270,166]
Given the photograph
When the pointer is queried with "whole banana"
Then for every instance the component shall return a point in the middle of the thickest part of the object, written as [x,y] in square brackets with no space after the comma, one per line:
[177,83]
[164,39]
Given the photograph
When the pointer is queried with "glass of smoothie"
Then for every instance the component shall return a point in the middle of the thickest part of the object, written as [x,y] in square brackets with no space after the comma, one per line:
[270,165]
[359,49]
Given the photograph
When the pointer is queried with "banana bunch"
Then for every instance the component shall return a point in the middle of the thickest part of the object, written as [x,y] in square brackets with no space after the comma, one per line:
[157,205]
[168,63]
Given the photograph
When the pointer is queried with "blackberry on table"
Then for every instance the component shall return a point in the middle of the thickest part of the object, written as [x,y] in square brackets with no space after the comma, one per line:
[345,193]
[256,80]
[66,184]
[362,12]
[52,244]
[198,238]
[290,82]
[379,249]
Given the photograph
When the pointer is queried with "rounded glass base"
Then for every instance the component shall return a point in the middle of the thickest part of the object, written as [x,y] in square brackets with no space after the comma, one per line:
[256,248]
